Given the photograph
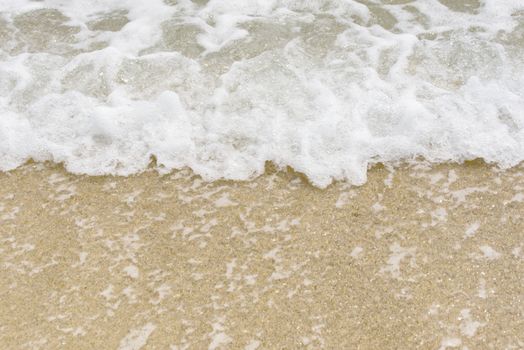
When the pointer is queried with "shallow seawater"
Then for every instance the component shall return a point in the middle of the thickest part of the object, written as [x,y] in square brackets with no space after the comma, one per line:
[327,87]
[420,257]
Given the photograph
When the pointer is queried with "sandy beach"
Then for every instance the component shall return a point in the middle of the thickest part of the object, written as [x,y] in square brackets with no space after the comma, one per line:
[420,257]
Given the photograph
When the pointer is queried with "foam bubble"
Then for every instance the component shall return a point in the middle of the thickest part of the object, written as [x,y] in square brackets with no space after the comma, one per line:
[328,87]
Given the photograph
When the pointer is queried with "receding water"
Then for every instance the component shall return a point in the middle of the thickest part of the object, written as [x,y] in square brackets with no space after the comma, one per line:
[327,87]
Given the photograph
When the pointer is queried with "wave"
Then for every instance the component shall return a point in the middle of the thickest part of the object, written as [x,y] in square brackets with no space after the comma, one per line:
[328,87]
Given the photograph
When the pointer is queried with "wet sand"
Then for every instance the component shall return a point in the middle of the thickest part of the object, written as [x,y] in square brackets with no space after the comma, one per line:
[422,257]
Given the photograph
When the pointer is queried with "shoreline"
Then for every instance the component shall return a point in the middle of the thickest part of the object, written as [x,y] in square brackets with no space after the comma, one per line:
[270,168]
[425,256]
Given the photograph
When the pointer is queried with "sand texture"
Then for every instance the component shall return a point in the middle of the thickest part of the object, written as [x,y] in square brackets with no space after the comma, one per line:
[423,257]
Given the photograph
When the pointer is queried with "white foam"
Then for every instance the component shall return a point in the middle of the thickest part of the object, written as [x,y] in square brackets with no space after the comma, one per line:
[398,254]
[468,326]
[253,345]
[137,338]
[355,253]
[219,338]
[472,229]
[450,343]
[489,253]
[132,271]
[328,87]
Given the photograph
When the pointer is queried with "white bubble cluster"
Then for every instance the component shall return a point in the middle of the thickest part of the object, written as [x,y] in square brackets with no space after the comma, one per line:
[327,87]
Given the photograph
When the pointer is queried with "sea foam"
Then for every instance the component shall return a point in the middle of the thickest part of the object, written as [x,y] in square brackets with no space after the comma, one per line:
[328,87]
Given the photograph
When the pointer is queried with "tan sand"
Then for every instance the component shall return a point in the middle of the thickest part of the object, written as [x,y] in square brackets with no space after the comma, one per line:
[423,257]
